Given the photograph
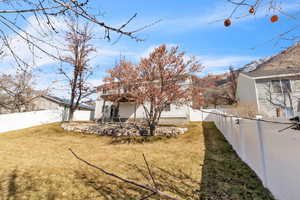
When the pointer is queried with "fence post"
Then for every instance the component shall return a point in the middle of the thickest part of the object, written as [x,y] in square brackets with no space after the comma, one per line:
[225,127]
[232,135]
[242,141]
[262,152]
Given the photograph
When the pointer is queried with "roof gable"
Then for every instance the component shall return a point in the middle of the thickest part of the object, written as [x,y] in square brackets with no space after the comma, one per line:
[66,102]
[286,62]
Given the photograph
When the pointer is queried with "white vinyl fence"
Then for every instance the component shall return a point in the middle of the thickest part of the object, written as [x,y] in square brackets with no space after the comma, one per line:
[16,121]
[273,155]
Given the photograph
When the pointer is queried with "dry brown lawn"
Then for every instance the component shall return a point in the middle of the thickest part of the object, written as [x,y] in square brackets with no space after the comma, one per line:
[36,164]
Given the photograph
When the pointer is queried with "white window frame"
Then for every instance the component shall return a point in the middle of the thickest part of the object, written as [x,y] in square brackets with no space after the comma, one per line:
[281,88]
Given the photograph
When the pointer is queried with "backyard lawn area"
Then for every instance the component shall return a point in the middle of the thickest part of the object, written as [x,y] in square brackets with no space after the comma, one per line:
[36,164]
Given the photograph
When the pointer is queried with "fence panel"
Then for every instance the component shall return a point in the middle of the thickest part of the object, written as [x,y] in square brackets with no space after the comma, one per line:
[16,121]
[282,160]
[272,154]
[252,150]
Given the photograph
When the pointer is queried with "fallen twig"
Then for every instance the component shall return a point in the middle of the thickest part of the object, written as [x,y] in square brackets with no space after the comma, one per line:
[145,187]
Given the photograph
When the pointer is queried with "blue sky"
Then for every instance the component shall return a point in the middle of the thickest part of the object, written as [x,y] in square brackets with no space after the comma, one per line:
[196,26]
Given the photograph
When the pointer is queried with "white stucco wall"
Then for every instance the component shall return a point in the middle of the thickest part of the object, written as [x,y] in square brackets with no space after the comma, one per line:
[83,115]
[126,110]
[98,108]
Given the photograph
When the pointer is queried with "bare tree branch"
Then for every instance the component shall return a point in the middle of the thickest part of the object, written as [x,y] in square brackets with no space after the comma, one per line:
[150,173]
[145,187]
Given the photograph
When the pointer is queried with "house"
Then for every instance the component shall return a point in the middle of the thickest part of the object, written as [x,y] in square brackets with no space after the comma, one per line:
[125,109]
[48,102]
[273,86]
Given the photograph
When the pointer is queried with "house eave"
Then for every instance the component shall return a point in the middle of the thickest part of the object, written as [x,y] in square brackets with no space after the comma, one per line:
[276,76]
[270,76]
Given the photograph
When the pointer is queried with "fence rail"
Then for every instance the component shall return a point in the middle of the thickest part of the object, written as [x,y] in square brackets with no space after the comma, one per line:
[272,154]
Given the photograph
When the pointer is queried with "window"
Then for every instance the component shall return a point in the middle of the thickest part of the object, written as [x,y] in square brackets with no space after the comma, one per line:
[296,85]
[286,86]
[167,107]
[279,86]
[276,88]
[103,91]
[298,106]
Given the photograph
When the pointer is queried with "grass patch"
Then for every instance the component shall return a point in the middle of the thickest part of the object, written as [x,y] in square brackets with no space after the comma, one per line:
[36,164]
[224,175]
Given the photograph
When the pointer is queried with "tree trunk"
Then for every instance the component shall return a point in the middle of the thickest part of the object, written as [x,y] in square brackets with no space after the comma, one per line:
[71,114]
[152,129]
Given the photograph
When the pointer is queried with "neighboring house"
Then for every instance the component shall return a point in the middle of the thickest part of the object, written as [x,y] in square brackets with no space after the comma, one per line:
[47,102]
[273,86]
[124,109]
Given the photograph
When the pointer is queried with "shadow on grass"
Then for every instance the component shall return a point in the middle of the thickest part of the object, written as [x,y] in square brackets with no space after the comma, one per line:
[15,185]
[224,175]
[139,139]
[175,181]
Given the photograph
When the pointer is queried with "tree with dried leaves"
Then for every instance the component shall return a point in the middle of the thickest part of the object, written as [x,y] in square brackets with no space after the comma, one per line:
[217,89]
[17,92]
[79,39]
[161,79]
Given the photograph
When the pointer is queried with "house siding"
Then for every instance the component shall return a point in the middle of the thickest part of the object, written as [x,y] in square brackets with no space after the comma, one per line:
[267,102]
[41,103]
[246,90]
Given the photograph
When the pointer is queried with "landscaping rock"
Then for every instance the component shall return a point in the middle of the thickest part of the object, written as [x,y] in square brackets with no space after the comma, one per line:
[121,129]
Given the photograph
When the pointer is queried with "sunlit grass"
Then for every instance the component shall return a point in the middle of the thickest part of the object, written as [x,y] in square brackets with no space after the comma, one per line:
[36,164]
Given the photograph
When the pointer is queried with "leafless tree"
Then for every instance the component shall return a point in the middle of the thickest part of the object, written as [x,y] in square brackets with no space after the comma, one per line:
[79,39]
[283,98]
[232,80]
[40,15]
[17,92]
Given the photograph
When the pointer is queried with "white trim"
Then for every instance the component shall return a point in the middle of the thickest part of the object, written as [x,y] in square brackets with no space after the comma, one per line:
[275,76]
[257,96]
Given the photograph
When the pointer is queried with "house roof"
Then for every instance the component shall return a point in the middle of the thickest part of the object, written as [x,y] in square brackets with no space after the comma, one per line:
[66,102]
[285,63]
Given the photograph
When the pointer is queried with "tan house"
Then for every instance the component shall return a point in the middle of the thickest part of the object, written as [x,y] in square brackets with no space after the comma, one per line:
[273,87]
